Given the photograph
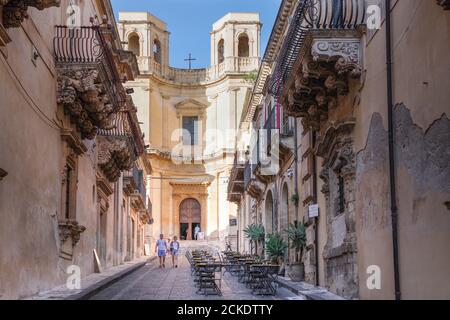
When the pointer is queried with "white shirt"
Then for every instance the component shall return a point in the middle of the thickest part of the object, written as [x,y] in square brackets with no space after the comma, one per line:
[175,245]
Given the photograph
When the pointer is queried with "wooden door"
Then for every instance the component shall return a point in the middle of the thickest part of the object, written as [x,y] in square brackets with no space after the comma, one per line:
[190,214]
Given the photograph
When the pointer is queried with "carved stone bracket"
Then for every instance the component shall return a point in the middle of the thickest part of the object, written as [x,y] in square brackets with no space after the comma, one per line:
[15,11]
[345,52]
[70,229]
[256,188]
[320,75]
[444,3]
[85,99]
[3,174]
[114,157]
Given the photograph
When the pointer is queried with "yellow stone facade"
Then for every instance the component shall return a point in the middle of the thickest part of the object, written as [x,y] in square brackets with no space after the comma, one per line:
[215,95]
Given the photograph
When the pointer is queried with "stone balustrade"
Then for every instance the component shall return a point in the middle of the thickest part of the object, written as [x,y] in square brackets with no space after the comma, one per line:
[201,76]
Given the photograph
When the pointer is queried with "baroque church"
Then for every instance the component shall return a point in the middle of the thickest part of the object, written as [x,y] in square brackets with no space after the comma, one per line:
[190,118]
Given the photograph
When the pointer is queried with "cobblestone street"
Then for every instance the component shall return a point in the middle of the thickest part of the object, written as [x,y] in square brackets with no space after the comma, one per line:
[152,283]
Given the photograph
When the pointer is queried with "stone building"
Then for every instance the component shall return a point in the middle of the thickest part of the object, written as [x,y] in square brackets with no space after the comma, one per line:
[73,179]
[372,146]
[190,117]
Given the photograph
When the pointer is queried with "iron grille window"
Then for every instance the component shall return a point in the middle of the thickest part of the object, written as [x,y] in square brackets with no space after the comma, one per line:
[190,131]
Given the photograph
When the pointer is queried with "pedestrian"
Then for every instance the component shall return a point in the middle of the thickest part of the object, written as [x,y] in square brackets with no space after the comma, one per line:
[196,231]
[161,249]
[174,249]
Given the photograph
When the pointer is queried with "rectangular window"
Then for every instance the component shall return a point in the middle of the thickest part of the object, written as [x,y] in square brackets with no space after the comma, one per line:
[190,131]
[341,203]
[69,195]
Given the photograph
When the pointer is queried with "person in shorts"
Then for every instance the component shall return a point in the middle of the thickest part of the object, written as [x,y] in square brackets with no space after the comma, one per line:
[161,249]
[174,249]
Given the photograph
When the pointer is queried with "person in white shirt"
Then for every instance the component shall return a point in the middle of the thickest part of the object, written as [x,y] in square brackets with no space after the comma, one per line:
[174,249]
[196,231]
[161,249]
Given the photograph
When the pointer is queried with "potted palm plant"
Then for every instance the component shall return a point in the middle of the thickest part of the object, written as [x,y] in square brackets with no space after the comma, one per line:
[296,234]
[276,248]
[255,233]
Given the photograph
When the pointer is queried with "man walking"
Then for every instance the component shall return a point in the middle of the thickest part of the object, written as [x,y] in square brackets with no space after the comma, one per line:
[161,249]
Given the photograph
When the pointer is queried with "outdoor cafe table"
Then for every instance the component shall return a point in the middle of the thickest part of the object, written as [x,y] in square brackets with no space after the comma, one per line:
[261,278]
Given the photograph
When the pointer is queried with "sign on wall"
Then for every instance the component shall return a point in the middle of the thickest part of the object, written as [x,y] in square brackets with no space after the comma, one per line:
[313,211]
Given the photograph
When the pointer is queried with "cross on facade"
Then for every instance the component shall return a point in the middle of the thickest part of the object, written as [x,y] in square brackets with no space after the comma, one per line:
[190,59]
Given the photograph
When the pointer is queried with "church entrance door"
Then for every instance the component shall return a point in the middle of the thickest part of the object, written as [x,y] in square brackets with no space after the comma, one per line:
[190,217]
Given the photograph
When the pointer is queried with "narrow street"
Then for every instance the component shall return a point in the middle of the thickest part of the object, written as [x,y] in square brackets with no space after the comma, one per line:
[152,283]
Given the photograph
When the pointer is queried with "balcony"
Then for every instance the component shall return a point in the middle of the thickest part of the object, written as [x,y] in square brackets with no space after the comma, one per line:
[120,146]
[202,76]
[89,83]
[253,186]
[321,52]
[236,183]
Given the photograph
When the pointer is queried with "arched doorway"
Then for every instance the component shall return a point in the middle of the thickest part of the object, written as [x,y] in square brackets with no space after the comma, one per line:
[190,217]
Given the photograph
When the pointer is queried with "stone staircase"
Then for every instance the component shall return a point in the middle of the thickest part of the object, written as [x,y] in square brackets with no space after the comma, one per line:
[209,245]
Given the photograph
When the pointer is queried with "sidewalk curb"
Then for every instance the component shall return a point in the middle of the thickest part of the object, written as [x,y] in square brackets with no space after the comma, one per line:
[92,290]
[314,293]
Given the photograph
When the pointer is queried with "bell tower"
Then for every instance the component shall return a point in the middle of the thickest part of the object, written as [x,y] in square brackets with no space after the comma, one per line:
[147,37]
[236,35]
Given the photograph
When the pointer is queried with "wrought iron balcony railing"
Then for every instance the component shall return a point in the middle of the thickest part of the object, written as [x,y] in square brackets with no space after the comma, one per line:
[89,85]
[314,15]
[87,45]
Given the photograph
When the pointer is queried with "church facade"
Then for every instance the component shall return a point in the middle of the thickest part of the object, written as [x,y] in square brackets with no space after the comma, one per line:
[189,118]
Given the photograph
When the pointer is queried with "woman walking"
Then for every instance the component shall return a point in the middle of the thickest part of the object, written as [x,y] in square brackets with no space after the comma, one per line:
[174,248]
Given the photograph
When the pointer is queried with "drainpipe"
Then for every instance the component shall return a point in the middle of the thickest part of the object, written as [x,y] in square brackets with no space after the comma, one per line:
[296,166]
[316,219]
[393,194]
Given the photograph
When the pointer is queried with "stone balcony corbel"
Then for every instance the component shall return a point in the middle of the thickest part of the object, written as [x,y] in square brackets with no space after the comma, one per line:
[15,11]
[256,188]
[70,229]
[327,61]
[115,156]
[85,100]
[444,3]
[3,174]
[138,202]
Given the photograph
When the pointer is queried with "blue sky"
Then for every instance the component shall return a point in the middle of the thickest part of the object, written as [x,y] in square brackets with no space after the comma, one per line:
[190,22]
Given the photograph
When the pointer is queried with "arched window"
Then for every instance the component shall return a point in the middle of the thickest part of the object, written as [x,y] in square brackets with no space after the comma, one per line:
[221,50]
[157,50]
[133,44]
[243,48]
